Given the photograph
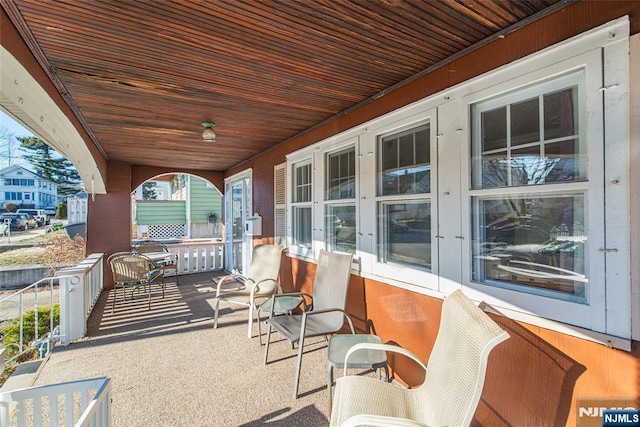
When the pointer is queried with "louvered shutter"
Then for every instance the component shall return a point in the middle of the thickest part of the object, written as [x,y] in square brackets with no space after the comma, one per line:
[280,203]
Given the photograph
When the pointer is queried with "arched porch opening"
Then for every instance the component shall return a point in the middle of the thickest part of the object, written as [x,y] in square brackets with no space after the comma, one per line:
[177,206]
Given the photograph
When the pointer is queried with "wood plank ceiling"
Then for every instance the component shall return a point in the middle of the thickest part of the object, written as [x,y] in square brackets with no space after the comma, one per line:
[143,75]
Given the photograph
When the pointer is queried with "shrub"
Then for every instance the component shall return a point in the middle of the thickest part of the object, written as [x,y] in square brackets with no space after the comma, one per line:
[10,206]
[61,251]
[11,332]
[61,210]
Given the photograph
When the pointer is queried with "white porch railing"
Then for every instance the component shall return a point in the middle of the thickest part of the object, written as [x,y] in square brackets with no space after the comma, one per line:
[80,288]
[79,403]
[15,307]
[78,291]
[197,257]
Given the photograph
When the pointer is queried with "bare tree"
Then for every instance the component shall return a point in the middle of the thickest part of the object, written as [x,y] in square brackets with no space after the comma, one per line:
[10,152]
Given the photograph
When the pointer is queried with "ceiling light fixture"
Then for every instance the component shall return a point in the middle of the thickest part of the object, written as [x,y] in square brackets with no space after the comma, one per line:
[208,135]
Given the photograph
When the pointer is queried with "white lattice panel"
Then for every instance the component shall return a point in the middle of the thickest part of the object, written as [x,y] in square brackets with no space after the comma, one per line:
[167,231]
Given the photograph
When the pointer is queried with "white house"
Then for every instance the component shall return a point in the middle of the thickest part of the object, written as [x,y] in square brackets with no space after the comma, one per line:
[27,189]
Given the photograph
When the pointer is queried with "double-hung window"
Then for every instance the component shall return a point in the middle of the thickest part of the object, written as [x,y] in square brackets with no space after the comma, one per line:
[301,205]
[532,234]
[340,200]
[403,198]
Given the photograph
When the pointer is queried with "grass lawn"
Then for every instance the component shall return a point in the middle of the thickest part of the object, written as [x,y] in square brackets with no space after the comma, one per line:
[32,255]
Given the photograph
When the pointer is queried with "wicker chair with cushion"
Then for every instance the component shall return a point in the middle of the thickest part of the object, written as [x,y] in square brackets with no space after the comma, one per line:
[133,271]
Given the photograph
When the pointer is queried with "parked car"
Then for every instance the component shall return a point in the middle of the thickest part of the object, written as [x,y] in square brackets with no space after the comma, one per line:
[398,227]
[19,221]
[51,211]
[39,214]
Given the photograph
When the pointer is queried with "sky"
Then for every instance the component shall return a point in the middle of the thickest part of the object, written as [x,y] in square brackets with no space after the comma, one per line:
[12,127]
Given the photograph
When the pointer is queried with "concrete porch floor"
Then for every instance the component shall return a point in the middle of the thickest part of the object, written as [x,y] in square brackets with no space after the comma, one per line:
[169,367]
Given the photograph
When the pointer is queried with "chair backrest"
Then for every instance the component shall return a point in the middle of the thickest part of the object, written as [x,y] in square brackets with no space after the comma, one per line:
[265,265]
[458,362]
[147,246]
[330,286]
[129,267]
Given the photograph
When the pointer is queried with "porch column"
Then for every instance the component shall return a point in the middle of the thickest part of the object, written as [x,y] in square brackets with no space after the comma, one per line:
[109,217]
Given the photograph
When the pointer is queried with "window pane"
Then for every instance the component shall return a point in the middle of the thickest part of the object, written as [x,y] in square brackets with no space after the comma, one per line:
[494,129]
[495,171]
[341,177]
[534,241]
[560,114]
[390,153]
[406,168]
[302,227]
[568,164]
[525,122]
[522,158]
[340,226]
[302,183]
[527,167]
[405,234]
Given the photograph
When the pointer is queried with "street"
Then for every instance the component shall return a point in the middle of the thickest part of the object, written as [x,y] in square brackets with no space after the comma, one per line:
[17,236]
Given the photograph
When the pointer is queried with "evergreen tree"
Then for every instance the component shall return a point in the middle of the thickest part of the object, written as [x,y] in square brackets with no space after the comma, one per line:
[49,164]
[149,191]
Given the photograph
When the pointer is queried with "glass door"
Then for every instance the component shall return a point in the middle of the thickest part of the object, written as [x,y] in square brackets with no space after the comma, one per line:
[238,207]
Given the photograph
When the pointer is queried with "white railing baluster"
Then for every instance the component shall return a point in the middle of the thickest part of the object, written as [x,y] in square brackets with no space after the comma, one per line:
[69,407]
[22,416]
[94,412]
[53,410]
[207,254]
[197,256]
[37,411]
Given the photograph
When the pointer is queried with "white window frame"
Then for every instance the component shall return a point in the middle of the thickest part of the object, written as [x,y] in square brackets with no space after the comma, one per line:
[607,309]
[603,53]
[371,265]
[589,145]
[321,191]
[297,158]
[292,181]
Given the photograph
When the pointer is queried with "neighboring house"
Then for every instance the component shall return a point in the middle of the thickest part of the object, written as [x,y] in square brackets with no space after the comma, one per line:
[191,209]
[27,189]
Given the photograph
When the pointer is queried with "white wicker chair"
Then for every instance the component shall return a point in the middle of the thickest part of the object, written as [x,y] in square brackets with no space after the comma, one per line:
[453,384]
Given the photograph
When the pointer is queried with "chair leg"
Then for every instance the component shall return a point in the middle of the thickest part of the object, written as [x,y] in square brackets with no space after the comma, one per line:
[250,328]
[259,326]
[266,345]
[113,306]
[215,315]
[297,379]
[330,385]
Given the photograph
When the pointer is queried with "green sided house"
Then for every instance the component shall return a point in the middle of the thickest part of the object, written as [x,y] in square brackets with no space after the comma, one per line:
[177,206]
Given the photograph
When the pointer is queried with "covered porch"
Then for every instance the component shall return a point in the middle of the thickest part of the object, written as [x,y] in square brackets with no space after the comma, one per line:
[293,88]
[169,367]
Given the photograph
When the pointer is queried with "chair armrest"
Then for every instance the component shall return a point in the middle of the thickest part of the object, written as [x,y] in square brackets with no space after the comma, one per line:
[254,285]
[383,347]
[326,310]
[379,420]
[223,279]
